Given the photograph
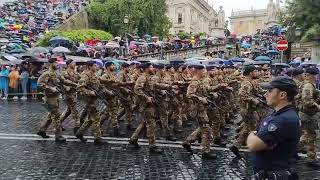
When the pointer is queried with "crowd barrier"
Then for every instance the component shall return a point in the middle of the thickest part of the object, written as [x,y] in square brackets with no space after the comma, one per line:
[26,88]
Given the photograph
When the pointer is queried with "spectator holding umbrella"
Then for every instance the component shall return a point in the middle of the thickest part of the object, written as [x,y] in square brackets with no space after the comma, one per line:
[13,81]
[4,81]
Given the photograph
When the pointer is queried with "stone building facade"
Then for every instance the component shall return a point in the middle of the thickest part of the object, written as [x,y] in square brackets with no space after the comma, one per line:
[248,22]
[195,16]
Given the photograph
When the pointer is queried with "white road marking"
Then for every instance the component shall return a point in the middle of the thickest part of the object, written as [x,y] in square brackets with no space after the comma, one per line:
[113,140]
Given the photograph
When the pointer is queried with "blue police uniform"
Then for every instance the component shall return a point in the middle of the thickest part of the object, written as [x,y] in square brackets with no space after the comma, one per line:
[281,132]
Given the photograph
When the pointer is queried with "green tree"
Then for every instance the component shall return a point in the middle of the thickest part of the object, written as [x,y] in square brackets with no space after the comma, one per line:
[302,14]
[145,16]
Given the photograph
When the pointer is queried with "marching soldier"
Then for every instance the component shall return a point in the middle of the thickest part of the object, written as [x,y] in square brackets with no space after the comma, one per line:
[145,89]
[248,103]
[309,114]
[48,82]
[109,79]
[87,84]
[70,78]
[197,92]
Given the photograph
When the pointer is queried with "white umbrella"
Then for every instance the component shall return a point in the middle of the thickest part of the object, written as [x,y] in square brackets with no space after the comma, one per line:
[60,50]
[112,45]
[39,50]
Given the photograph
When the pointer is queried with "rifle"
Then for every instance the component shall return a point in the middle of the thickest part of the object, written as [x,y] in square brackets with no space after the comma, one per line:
[261,99]
[101,96]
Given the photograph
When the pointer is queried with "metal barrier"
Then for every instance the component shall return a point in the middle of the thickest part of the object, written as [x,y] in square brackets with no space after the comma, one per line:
[183,53]
[27,88]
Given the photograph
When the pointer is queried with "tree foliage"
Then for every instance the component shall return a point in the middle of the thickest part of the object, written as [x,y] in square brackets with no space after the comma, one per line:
[145,16]
[76,36]
[304,14]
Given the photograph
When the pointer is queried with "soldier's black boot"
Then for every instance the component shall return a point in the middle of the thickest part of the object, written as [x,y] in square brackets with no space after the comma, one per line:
[235,151]
[313,164]
[75,130]
[99,141]
[187,147]
[171,138]
[60,139]
[80,136]
[130,128]
[188,123]
[238,129]
[219,142]
[209,155]
[117,132]
[43,134]
[155,150]
[134,144]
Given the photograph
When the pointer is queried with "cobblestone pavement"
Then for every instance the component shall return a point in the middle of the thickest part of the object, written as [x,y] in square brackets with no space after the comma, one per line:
[24,155]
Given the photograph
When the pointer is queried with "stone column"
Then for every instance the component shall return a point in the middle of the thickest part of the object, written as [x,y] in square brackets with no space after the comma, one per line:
[315,53]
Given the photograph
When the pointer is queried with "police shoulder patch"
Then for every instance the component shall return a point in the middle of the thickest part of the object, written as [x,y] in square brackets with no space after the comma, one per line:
[272,127]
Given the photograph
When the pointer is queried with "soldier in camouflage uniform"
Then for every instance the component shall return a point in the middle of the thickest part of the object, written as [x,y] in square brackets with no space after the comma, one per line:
[126,96]
[197,92]
[145,88]
[88,84]
[248,103]
[71,78]
[110,80]
[309,114]
[48,82]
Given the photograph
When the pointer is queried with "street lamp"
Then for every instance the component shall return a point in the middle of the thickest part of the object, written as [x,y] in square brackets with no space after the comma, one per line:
[126,22]
[298,31]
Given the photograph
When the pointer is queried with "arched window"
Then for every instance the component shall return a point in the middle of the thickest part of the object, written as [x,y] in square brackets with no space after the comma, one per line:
[179,18]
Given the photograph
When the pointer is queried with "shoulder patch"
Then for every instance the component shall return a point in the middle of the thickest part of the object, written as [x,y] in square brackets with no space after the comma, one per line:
[272,127]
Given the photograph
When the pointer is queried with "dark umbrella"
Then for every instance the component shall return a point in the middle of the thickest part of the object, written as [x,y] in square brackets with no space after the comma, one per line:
[59,41]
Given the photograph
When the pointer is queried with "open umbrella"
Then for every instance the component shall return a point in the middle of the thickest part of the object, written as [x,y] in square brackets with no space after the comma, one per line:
[246,46]
[237,59]
[262,58]
[59,41]
[112,45]
[280,65]
[60,50]
[273,52]
[17,51]
[4,40]
[39,50]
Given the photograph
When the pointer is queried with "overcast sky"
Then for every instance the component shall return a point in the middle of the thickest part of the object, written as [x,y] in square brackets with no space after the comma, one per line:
[238,5]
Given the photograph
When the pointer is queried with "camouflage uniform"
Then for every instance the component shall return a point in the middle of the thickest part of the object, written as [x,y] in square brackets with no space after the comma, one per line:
[146,87]
[89,80]
[309,115]
[247,111]
[126,99]
[47,82]
[110,80]
[70,79]
[213,113]
[195,90]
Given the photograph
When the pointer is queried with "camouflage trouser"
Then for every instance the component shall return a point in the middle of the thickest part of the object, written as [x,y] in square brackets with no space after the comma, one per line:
[148,123]
[205,134]
[309,126]
[126,110]
[93,120]
[71,109]
[111,112]
[53,115]
[164,118]
[215,119]
[249,122]
[204,131]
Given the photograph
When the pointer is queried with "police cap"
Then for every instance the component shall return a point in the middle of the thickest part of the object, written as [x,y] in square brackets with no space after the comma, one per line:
[284,84]
[312,70]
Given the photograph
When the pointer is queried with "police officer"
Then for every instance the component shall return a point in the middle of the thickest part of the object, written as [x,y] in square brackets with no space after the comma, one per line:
[274,144]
